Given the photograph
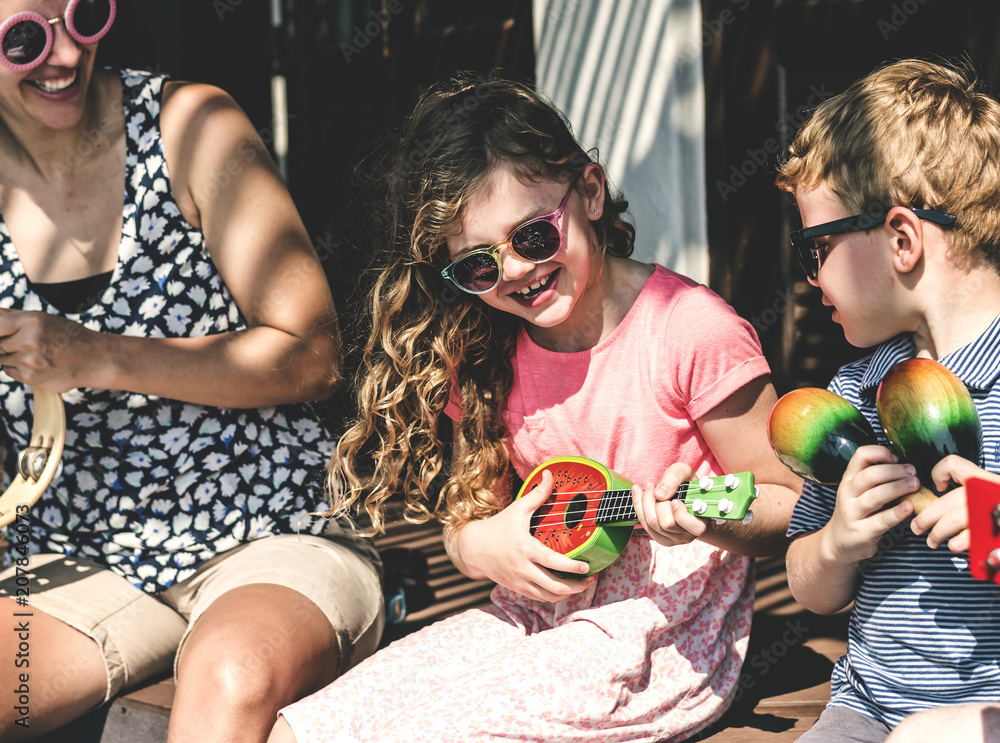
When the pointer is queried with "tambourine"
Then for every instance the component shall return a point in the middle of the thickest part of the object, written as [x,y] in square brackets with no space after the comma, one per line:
[39,462]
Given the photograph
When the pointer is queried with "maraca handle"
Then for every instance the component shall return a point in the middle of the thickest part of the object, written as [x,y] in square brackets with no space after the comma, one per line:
[921,499]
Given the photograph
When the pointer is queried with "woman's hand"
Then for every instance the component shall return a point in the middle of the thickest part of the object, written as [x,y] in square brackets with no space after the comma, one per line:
[502,549]
[665,518]
[49,351]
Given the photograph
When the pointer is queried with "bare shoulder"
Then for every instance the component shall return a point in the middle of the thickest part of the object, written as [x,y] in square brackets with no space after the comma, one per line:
[189,109]
[203,130]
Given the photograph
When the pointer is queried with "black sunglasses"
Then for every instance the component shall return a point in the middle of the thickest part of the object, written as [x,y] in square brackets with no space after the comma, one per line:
[810,254]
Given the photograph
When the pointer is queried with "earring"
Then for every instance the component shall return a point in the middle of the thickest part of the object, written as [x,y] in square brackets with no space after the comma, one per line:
[596,212]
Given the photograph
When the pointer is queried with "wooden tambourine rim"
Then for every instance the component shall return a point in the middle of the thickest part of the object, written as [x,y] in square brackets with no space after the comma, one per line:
[48,432]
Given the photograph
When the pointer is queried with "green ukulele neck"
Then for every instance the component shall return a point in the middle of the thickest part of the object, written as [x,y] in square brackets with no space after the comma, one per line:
[727,497]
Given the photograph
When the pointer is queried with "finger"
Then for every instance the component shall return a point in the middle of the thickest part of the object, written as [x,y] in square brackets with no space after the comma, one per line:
[928,516]
[960,542]
[557,561]
[551,588]
[687,520]
[675,475]
[538,494]
[866,456]
[660,513]
[952,523]
[637,503]
[892,517]
[954,468]
[879,485]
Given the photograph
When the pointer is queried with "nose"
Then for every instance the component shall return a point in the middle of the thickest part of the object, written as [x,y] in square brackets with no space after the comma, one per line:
[65,50]
[514,266]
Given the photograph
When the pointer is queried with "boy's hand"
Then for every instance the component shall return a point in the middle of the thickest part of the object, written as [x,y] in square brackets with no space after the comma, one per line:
[502,549]
[667,521]
[947,519]
[872,481]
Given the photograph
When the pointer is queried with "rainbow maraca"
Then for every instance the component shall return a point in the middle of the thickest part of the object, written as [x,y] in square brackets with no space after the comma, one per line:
[815,433]
[927,414]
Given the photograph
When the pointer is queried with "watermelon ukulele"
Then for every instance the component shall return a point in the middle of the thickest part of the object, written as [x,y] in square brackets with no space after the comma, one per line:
[590,515]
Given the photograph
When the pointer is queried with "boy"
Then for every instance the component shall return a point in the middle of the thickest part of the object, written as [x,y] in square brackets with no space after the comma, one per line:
[897,181]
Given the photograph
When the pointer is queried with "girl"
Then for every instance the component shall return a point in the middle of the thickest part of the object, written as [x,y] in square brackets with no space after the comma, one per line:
[508,303]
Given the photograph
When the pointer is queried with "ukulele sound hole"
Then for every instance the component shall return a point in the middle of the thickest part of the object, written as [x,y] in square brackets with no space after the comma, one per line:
[576,510]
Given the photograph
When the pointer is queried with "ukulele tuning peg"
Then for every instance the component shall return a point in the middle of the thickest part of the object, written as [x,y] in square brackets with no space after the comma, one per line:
[748,518]
[726,506]
[699,506]
[705,484]
[732,482]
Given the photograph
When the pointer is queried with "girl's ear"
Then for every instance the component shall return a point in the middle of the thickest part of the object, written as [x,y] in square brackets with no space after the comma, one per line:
[592,183]
[907,238]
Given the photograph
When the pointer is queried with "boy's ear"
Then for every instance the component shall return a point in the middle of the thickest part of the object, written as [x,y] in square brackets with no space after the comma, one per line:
[907,238]
[592,182]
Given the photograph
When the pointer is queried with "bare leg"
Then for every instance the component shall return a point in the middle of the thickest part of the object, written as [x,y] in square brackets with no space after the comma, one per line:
[255,650]
[969,723]
[64,675]
[282,732]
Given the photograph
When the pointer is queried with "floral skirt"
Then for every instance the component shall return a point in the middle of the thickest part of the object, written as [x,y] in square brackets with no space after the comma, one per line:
[651,652]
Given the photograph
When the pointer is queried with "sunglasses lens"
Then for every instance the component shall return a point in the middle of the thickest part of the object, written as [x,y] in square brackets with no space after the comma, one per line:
[537,241]
[24,42]
[808,259]
[91,17]
[477,272]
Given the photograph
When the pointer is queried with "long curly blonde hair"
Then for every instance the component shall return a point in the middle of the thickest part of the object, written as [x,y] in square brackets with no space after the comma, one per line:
[425,332]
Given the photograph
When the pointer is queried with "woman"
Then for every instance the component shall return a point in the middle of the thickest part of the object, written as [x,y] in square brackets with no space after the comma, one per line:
[186,328]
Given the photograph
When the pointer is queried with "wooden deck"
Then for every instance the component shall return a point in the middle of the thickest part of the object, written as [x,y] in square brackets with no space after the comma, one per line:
[784,687]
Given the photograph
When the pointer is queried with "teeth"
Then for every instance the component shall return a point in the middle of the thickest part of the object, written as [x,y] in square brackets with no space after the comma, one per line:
[538,284]
[54,86]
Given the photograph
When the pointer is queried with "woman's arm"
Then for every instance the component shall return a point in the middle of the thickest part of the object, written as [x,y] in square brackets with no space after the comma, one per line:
[225,184]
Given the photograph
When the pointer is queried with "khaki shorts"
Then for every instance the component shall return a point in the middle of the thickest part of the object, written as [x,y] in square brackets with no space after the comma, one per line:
[140,635]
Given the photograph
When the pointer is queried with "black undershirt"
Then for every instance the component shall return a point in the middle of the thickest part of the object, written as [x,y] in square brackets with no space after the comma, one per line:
[75,296]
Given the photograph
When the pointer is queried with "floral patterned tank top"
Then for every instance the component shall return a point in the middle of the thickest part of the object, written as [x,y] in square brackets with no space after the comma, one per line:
[153,487]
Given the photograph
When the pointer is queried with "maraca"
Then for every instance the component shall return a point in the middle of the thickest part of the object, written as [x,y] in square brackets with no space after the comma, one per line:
[927,414]
[815,433]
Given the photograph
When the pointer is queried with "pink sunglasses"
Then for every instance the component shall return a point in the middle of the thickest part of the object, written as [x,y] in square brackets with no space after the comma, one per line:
[26,38]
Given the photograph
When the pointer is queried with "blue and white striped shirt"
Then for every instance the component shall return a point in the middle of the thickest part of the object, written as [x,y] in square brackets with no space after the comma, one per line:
[923,631]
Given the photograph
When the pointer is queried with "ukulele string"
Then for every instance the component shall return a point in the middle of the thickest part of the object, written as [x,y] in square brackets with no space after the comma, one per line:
[538,522]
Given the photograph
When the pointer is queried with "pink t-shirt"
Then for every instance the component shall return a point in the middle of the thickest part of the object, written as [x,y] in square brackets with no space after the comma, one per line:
[631,402]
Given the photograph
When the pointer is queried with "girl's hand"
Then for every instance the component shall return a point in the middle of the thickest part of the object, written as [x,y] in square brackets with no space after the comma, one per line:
[502,549]
[947,518]
[665,518]
[48,351]
[872,481]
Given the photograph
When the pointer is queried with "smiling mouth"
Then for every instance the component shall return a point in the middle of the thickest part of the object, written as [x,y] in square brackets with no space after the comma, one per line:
[533,290]
[55,86]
